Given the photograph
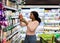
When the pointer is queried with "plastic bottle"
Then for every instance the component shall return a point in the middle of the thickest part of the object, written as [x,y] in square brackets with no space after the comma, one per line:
[4,37]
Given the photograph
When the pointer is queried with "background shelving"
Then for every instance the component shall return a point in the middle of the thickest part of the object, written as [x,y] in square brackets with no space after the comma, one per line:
[10,8]
[9,3]
[52,19]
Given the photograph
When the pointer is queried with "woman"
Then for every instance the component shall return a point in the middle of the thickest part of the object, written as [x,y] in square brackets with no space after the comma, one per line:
[31,26]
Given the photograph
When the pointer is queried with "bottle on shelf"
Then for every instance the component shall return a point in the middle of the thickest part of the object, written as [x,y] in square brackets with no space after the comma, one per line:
[4,38]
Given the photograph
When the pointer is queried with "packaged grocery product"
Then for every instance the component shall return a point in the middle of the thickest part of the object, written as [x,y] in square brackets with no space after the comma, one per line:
[20,16]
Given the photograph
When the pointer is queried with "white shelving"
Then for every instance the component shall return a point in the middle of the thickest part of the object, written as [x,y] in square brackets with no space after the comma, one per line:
[14,17]
[7,7]
[40,6]
[12,34]
[51,28]
[16,24]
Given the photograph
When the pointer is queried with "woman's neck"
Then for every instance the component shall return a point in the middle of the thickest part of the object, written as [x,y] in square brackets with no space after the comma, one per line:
[33,19]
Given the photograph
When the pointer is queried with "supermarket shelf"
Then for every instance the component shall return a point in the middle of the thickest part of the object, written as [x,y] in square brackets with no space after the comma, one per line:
[19,37]
[52,29]
[12,35]
[51,32]
[13,32]
[40,6]
[10,27]
[14,17]
[16,24]
[10,8]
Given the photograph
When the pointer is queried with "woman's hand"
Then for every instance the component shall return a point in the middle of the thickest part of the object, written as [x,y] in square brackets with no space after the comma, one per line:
[20,17]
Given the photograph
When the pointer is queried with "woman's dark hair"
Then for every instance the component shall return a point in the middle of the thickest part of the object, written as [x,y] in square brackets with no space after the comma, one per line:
[36,15]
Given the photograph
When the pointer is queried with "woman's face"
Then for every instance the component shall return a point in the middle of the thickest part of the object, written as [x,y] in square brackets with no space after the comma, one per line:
[31,16]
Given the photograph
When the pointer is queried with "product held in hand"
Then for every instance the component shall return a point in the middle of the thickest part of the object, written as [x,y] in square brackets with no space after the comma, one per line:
[20,16]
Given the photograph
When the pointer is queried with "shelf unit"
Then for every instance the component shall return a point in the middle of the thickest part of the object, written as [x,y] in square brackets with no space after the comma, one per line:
[11,30]
[10,36]
[51,19]
[10,8]
[40,6]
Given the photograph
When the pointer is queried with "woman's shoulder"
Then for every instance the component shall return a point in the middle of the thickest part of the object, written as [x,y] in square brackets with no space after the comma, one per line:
[29,21]
[36,22]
